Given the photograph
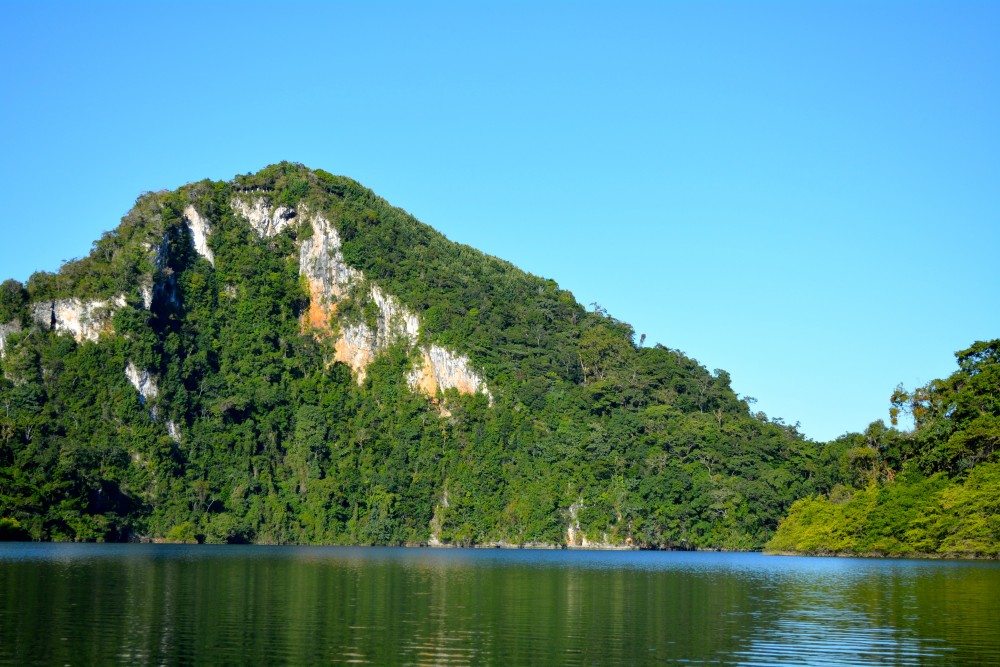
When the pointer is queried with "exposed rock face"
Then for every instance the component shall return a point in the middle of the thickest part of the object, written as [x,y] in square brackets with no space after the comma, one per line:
[328,276]
[330,279]
[200,229]
[147,282]
[443,369]
[86,320]
[6,330]
[146,292]
[173,430]
[394,321]
[143,382]
[356,347]
[161,286]
[267,220]
[359,343]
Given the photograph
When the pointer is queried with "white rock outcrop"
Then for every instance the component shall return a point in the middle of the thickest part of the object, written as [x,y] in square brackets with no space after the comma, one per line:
[200,230]
[146,292]
[6,330]
[145,383]
[267,220]
[330,279]
[328,276]
[358,343]
[440,368]
[394,320]
[173,430]
[86,320]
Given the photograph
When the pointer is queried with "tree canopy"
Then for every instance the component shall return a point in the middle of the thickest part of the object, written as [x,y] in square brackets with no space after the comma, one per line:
[932,490]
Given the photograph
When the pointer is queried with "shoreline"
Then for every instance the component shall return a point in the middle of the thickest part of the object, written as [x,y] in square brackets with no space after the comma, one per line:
[882,555]
[535,546]
[548,546]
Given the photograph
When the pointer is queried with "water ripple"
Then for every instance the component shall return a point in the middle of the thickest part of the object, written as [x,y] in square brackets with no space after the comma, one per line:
[826,640]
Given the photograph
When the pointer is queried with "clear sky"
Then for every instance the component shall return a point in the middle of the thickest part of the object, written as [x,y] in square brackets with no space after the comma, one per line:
[804,194]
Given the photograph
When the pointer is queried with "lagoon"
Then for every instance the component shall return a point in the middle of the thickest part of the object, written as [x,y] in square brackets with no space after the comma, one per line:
[116,604]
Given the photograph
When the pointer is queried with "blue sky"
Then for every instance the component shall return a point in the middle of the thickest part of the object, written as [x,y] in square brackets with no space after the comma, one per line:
[804,194]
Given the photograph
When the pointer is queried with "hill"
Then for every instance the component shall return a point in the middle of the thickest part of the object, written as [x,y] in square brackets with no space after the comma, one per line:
[287,358]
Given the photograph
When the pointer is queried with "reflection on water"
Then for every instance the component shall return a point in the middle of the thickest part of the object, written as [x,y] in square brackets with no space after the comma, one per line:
[161,605]
[819,637]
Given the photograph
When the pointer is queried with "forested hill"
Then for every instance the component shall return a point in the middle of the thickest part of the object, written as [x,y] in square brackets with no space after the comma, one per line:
[932,491]
[286,358]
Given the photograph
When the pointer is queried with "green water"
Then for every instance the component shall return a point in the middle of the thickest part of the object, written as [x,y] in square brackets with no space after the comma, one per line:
[176,605]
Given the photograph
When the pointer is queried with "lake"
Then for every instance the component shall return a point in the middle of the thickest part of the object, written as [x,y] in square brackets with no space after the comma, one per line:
[91,604]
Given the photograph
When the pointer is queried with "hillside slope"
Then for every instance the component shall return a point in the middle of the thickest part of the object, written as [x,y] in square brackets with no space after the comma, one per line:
[286,358]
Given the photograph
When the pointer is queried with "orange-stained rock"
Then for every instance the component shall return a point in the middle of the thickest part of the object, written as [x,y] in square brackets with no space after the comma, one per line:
[330,279]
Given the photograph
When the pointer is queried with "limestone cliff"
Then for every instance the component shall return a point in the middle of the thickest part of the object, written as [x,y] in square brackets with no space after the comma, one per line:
[440,368]
[328,276]
[330,279]
[358,343]
[266,219]
[200,230]
[160,285]
[146,293]
[85,320]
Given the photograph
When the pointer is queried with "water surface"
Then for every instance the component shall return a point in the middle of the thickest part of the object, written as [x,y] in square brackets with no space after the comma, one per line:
[167,605]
